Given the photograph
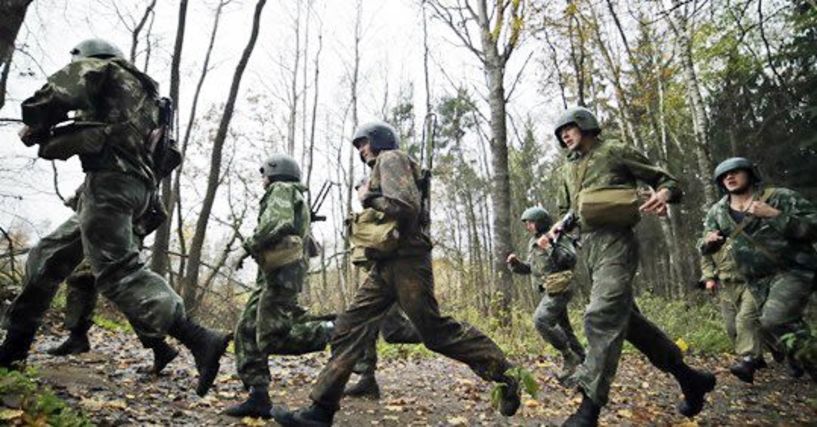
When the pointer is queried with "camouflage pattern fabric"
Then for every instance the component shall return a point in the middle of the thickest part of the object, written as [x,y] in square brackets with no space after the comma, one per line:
[740,311]
[395,328]
[777,259]
[80,298]
[612,259]
[110,91]
[272,322]
[550,317]
[406,280]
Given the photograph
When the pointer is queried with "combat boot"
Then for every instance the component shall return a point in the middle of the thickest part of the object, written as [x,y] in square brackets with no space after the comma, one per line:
[258,405]
[76,343]
[586,416]
[745,368]
[15,347]
[163,354]
[570,362]
[366,388]
[695,385]
[207,347]
[510,400]
[316,415]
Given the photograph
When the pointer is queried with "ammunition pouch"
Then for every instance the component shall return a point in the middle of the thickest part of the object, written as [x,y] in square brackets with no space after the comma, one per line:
[557,283]
[74,138]
[154,216]
[609,207]
[288,250]
[377,235]
[164,151]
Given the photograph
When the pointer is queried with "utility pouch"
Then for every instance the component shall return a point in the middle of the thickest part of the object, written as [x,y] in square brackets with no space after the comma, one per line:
[288,250]
[557,283]
[609,206]
[154,216]
[74,138]
[376,234]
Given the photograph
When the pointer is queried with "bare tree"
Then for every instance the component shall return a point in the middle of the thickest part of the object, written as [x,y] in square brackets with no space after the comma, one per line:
[14,12]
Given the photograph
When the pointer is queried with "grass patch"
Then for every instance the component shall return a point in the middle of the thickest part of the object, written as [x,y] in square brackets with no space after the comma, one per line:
[114,325]
[27,403]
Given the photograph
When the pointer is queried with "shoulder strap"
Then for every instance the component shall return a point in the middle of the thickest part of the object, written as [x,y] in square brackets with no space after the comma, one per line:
[579,173]
[740,229]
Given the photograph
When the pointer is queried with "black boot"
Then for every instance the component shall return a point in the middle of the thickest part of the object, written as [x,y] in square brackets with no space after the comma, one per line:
[258,405]
[510,401]
[745,368]
[695,385]
[586,416]
[76,343]
[163,354]
[366,388]
[15,347]
[316,415]
[207,347]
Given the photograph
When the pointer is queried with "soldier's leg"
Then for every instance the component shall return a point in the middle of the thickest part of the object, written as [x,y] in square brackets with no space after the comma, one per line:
[396,328]
[550,318]
[782,315]
[110,203]
[80,301]
[50,261]
[729,308]
[748,341]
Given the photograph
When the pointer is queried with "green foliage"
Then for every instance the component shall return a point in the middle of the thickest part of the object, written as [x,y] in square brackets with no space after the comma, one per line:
[114,325]
[37,404]
[699,325]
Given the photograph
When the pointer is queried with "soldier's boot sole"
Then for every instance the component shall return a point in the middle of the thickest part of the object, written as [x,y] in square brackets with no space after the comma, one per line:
[257,405]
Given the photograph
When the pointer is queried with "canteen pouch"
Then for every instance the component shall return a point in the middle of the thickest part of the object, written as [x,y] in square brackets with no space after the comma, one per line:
[610,206]
[376,234]
[288,250]
[556,283]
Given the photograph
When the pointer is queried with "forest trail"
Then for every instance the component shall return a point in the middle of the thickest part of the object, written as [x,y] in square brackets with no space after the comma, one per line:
[110,386]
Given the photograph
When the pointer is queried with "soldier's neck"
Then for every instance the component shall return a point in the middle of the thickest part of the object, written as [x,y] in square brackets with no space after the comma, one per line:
[740,201]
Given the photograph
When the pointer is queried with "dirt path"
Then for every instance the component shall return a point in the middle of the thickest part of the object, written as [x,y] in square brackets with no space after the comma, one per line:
[108,384]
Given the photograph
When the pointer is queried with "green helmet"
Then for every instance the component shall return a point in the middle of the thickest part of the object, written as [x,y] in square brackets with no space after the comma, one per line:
[95,48]
[579,116]
[538,215]
[381,136]
[736,163]
[281,167]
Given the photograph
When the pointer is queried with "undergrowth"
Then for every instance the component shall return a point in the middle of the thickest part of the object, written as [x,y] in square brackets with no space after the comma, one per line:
[26,403]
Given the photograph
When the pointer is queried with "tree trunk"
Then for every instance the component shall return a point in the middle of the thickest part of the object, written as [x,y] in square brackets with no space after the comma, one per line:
[192,275]
[161,243]
[14,12]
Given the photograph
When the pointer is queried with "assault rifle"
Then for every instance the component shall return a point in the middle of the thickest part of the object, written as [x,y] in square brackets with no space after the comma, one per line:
[568,222]
[162,145]
[427,163]
[317,202]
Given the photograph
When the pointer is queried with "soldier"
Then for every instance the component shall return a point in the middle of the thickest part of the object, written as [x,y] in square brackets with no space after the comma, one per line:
[552,268]
[770,232]
[599,184]
[720,276]
[272,321]
[401,273]
[119,101]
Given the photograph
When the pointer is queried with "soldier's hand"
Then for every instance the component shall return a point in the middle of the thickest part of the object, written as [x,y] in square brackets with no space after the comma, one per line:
[27,135]
[762,210]
[512,259]
[657,203]
[712,286]
[713,237]
[544,240]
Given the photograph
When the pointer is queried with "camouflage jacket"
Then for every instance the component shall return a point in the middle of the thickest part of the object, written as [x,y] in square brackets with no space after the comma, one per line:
[768,245]
[393,190]
[541,262]
[610,163]
[283,212]
[110,91]
[720,266]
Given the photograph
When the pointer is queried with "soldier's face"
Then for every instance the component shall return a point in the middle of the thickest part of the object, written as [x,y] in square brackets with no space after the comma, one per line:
[530,226]
[366,151]
[571,136]
[736,181]
[266,181]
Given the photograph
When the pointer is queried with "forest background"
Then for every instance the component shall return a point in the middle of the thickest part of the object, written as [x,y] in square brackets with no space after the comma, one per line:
[688,82]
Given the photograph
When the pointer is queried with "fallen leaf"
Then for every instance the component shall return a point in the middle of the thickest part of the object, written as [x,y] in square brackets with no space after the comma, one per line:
[253,422]
[10,414]
[458,421]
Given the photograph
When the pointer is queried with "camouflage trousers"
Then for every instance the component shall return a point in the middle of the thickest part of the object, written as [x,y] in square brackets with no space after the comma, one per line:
[80,299]
[273,323]
[102,232]
[742,317]
[409,282]
[612,315]
[785,297]
[552,323]
[395,328]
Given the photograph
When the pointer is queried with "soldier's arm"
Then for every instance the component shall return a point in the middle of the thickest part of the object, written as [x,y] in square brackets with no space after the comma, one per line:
[398,196]
[798,216]
[520,267]
[277,220]
[709,271]
[563,193]
[644,170]
[710,225]
[70,88]
[562,255]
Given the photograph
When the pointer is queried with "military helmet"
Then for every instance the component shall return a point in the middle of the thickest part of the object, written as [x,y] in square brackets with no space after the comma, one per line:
[381,136]
[579,116]
[95,48]
[281,167]
[736,163]
[538,215]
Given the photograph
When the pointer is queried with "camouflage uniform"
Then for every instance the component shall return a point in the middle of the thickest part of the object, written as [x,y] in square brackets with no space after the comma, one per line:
[550,317]
[80,299]
[777,260]
[739,309]
[272,321]
[612,258]
[406,278]
[395,328]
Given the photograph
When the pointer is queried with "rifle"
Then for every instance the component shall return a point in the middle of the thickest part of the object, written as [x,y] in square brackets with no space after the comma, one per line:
[427,164]
[162,145]
[568,222]
[318,201]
